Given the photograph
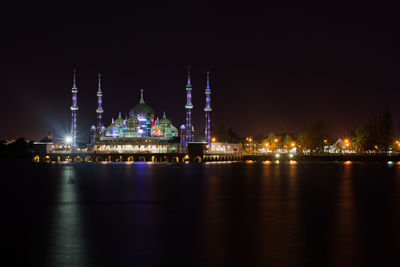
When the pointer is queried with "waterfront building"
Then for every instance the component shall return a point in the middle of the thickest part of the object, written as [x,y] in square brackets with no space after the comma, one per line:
[138,133]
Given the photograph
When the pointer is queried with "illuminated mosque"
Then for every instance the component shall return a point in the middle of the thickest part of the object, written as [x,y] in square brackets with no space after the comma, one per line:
[141,131]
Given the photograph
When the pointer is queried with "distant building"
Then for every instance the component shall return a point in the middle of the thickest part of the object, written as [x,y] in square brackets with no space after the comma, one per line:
[45,145]
[226,148]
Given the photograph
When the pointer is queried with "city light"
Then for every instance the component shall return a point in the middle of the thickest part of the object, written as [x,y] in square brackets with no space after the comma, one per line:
[213,140]
[68,139]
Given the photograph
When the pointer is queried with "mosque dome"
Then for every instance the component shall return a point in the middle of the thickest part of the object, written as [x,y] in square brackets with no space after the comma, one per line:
[164,128]
[164,121]
[93,128]
[120,121]
[142,109]
[132,122]
[113,129]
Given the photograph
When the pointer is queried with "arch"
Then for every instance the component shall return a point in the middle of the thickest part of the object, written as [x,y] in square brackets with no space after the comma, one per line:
[78,159]
[36,158]
[109,158]
[164,159]
[142,158]
[130,158]
[185,159]
[47,158]
[119,159]
[58,159]
[67,158]
[98,158]
[88,159]
[197,159]
[175,159]
[153,159]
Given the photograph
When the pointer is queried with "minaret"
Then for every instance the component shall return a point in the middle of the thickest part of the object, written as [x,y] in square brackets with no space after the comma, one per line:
[188,106]
[74,109]
[207,110]
[183,136]
[99,109]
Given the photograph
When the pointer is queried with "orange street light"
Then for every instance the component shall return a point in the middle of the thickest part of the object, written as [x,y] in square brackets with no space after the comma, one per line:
[276,140]
[293,144]
[213,139]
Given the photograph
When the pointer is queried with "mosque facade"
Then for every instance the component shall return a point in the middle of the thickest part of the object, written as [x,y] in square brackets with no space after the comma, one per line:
[140,131]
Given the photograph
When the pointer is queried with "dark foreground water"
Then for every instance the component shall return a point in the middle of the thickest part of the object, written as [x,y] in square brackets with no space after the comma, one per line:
[237,214]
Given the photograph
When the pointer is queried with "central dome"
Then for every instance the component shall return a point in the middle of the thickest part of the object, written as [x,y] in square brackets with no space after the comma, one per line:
[142,110]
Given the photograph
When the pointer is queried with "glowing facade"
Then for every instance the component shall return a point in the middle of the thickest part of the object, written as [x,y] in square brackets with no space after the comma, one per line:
[207,110]
[74,110]
[138,132]
[188,106]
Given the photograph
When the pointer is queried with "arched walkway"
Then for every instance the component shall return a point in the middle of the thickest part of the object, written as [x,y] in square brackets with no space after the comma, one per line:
[47,158]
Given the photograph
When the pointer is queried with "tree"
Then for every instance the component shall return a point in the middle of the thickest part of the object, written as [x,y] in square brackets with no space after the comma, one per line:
[271,140]
[226,134]
[313,138]
[360,139]
[385,130]
[287,141]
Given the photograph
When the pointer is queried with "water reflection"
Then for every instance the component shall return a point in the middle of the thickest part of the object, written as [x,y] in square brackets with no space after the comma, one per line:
[236,214]
[68,243]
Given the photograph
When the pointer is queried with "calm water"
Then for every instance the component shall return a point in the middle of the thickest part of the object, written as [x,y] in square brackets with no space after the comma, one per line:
[236,214]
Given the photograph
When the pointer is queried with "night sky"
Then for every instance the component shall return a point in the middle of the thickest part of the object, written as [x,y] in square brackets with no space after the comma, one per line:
[272,69]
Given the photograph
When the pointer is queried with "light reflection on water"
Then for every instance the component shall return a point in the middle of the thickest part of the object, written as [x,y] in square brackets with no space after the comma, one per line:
[216,214]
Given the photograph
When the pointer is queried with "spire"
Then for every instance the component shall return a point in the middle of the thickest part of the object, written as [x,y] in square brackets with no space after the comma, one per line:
[208,80]
[141,97]
[164,115]
[99,82]
[188,73]
[119,115]
[74,79]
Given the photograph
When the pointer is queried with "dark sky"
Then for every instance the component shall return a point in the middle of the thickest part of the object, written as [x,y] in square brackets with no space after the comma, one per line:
[272,69]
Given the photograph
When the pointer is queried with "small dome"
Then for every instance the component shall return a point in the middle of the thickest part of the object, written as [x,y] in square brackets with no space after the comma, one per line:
[164,121]
[120,120]
[132,122]
[93,128]
[103,128]
[183,127]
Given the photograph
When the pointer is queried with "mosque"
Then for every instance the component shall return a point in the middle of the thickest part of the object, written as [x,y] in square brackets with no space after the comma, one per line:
[141,131]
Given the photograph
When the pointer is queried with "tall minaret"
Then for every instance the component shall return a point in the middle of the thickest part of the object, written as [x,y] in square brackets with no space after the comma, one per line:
[74,109]
[188,106]
[99,109]
[207,110]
